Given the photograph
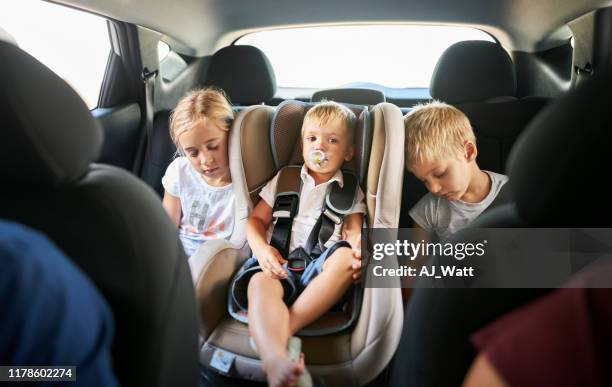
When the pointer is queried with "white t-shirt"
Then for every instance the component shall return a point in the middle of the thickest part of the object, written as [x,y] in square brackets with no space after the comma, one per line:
[312,199]
[445,217]
[207,211]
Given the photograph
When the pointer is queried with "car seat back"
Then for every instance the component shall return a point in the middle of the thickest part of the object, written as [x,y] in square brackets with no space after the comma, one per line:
[105,219]
[244,73]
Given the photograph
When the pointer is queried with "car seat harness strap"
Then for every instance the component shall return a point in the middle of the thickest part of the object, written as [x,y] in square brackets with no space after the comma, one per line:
[338,203]
[286,205]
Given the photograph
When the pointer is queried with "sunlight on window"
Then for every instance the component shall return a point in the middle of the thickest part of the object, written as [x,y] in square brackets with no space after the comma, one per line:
[74,44]
[162,50]
[389,55]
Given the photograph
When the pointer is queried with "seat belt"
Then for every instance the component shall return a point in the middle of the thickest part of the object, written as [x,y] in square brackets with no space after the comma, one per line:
[503,197]
[338,202]
[286,206]
[583,73]
[148,78]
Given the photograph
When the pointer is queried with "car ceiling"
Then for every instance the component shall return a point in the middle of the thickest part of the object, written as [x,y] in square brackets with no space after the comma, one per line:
[198,27]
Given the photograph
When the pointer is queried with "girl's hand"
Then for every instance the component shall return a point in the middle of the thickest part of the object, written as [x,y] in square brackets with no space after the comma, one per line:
[271,262]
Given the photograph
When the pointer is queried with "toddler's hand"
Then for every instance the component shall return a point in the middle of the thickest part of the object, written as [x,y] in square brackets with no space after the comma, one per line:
[271,262]
[357,264]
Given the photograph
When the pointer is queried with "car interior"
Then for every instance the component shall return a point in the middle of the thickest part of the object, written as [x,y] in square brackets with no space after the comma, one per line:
[89,176]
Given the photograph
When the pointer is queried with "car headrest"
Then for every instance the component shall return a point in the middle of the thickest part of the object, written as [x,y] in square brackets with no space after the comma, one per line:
[355,96]
[48,135]
[244,73]
[559,165]
[473,71]
[285,135]
[6,37]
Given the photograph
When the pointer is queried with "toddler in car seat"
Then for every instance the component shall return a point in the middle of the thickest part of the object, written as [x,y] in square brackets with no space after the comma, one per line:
[198,193]
[441,152]
[327,142]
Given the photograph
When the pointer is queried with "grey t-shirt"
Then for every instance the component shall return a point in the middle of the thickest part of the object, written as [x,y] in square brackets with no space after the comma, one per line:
[445,217]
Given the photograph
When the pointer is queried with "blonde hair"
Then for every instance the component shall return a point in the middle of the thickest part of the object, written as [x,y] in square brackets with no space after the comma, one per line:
[199,106]
[325,112]
[435,131]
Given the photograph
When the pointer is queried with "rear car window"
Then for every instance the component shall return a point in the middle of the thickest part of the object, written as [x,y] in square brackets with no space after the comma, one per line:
[73,44]
[397,56]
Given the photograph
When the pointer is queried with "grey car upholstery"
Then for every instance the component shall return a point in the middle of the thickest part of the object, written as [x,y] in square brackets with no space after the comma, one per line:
[110,223]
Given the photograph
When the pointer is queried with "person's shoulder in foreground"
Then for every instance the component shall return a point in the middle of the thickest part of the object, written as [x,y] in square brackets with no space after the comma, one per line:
[563,339]
[52,314]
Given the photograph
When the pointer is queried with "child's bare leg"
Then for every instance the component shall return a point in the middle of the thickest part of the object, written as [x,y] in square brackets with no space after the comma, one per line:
[324,291]
[269,327]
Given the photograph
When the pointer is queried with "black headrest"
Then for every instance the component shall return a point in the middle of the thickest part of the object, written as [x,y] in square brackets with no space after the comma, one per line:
[48,135]
[350,95]
[472,71]
[244,72]
[559,165]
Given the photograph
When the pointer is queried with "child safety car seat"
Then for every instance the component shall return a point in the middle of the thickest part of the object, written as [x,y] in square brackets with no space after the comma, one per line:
[263,140]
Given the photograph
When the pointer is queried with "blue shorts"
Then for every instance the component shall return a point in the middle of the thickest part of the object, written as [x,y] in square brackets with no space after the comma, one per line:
[293,285]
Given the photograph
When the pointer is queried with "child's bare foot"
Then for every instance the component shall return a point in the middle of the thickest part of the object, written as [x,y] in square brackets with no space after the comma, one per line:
[282,372]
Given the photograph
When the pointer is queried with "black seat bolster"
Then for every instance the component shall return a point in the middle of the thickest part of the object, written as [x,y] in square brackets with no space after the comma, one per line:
[497,125]
[356,96]
[160,152]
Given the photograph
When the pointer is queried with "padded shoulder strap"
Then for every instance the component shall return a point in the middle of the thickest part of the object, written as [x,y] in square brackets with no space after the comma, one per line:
[289,181]
[342,199]
[286,206]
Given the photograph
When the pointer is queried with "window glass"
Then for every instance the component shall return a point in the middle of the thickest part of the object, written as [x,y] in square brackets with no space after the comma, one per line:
[73,44]
[162,50]
[390,55]
[171,64]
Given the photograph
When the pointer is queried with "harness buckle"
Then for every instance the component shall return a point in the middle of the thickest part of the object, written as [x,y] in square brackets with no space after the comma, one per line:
[286,206]
[332,216]
[297,260]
